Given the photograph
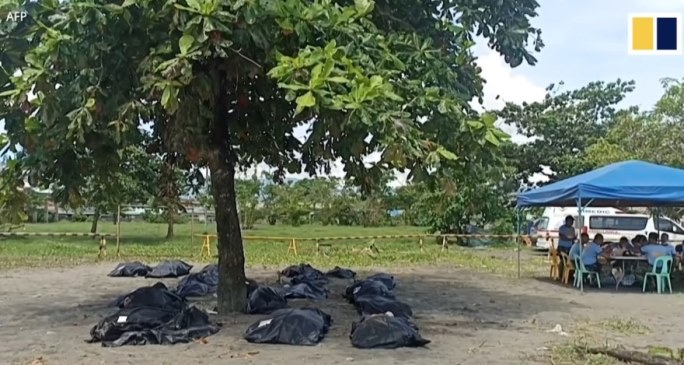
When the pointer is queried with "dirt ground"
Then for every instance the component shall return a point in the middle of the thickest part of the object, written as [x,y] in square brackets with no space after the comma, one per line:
[471,318]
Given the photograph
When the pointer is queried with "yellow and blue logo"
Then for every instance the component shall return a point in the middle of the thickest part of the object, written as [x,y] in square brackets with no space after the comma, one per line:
[655,34]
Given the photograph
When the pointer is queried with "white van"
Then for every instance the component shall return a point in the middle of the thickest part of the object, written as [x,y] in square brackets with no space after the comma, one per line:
[612,223]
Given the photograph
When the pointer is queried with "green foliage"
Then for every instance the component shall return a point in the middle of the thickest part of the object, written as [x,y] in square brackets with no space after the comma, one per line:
[655,136]
[670,107]
[79,218]
[563,126]
[248,193]
[134,180]
[451,204]
[300,58]
[224,83]
[161,217]
[13,197]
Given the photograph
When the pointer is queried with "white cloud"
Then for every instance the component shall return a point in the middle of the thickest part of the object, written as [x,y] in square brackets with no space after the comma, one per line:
[504,82]
[506,85]
[659,5]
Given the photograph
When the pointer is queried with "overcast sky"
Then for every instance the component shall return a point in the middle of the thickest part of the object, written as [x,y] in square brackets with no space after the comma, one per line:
[585,41]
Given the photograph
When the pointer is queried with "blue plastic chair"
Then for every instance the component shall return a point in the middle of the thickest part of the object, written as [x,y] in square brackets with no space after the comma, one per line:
[661,271]
[580,271]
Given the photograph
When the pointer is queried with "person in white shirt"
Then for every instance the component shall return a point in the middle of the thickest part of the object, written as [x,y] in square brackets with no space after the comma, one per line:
[567,235]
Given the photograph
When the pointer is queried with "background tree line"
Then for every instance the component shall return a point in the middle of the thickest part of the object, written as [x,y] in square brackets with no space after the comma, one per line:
[573,131]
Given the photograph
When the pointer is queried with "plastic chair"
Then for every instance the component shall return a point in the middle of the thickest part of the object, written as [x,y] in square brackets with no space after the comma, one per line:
[661,272]
[554,270]
[568,268]
[581,270]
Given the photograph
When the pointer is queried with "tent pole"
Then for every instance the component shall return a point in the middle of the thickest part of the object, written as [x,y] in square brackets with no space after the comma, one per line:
[517,235]
[580,224]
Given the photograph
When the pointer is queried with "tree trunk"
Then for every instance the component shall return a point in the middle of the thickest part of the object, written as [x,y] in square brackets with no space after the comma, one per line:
[231,288]
[634,356]
[96,219]
[169,228]
[47,212]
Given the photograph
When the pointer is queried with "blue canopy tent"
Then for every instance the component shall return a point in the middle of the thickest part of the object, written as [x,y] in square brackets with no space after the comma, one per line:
[626,183]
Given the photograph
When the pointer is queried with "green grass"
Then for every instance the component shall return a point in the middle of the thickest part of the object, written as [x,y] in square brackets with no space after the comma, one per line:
[145,241]
[596,334]
[627,327]
[574,353]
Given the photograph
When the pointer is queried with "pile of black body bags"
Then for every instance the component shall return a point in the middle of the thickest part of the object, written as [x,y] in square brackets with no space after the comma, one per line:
[152,315]
[385,322]
[195,285]
[292,326]
[165,269]
[159,315]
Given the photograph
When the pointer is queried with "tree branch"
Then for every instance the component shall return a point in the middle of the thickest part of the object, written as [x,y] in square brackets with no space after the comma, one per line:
[237,52]
[634,356]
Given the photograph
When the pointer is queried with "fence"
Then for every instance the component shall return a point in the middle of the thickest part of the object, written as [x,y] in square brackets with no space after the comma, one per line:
[102,252]
[205,250]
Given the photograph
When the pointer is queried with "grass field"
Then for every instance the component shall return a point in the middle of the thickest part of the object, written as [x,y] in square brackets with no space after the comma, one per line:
[145,241]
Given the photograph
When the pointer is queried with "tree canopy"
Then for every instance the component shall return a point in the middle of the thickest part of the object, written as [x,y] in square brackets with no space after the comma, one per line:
[654,135]
[224,84]
[563,126]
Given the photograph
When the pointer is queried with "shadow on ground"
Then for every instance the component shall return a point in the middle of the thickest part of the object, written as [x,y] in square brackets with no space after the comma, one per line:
[456,308]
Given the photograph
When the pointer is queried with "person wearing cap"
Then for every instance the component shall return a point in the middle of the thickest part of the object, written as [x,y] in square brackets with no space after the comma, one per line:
[567,235]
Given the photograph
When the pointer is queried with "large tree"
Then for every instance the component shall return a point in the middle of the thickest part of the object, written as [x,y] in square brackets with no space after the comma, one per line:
[226,82]
[108,186]
[248,193]
[563,126]
[655,135]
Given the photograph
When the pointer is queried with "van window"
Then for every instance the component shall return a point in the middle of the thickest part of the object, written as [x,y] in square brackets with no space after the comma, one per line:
[615,223]
[666,225]
[542,224]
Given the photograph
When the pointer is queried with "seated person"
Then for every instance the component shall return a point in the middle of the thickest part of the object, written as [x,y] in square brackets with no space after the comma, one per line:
[665,239]
[637,242]
[624,243]
[591,253]
[618,249]
[652,239]
[575,249]
[653,249]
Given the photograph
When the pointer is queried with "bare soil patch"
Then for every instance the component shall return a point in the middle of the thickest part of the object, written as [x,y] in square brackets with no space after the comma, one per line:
[471,318]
